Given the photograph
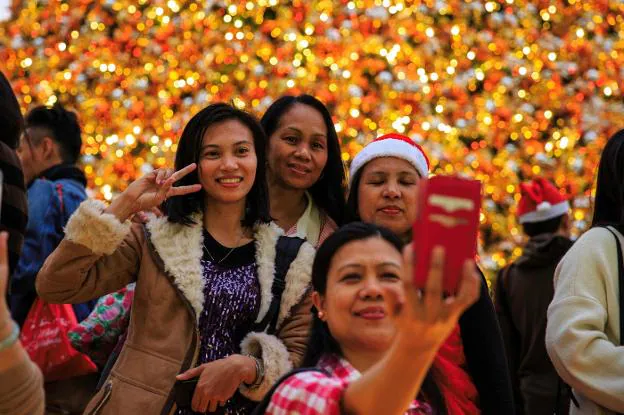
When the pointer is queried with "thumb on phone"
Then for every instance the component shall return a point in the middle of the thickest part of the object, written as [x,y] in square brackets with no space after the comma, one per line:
[191,373]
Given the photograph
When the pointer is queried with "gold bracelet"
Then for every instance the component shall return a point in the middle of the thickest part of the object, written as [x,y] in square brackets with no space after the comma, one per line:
[259,372]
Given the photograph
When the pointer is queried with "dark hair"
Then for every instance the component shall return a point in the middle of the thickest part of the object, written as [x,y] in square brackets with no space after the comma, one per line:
[62,127]
[352,212]
[181,208]
[11,118]
[545,226]
[609,201]
[330,190]
[321,340]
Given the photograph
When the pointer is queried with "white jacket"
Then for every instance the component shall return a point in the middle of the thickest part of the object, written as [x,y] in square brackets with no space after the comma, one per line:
[583,332]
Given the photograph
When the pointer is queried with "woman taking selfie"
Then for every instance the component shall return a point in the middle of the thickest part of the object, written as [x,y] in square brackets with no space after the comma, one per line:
[204,274]
[305,173]
[383,191]
[374,335]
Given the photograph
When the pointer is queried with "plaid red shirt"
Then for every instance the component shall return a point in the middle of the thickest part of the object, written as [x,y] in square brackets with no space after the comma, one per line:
[316,393]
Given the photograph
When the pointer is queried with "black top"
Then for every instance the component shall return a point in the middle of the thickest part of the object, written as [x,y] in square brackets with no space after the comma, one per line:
[63,171]
[524,290]
[485,355]
[221,255]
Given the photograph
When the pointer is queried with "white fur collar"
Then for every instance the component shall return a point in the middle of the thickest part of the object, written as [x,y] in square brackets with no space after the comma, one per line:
[266,240]
[180,248]
[298,277]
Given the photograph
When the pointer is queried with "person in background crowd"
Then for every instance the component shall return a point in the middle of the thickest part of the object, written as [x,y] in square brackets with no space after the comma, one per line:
[21,383]
[204,276]
[374,336]
[49,149]
[384,178]
[306,176]
[524,289]
[14,208]
[583,334]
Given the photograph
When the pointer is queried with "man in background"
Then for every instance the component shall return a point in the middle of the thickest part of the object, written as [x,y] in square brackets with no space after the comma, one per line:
[524,289]
[49,149]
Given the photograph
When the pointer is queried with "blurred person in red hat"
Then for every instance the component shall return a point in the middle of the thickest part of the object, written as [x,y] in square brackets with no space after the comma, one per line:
[524,289]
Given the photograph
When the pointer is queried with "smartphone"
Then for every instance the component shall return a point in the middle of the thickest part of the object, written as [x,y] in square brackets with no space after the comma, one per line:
[448,216]
[183,391]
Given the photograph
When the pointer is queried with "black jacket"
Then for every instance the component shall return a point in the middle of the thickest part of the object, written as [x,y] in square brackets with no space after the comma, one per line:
[485,356]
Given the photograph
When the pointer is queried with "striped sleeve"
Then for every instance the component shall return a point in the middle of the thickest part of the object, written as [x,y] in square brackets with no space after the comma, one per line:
[21,389]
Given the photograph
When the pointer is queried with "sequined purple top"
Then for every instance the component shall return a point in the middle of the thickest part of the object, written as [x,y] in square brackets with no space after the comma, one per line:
[232,301]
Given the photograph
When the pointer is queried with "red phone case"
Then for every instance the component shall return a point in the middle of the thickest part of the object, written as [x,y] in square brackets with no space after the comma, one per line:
[448,216]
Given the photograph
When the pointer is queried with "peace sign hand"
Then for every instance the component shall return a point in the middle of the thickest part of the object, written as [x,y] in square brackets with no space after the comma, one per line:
[151,191]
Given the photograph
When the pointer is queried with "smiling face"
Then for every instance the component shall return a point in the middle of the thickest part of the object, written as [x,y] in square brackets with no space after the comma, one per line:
[298,148]
[387,194]
[360,300]
[227,163]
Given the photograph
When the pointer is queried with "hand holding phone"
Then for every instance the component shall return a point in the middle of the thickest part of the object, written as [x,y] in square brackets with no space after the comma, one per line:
[448,216]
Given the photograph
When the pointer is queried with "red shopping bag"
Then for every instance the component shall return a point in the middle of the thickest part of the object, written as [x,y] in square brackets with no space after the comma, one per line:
[44,336]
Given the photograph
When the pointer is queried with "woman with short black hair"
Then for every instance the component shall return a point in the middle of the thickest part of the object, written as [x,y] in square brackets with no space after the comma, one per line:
[205,308]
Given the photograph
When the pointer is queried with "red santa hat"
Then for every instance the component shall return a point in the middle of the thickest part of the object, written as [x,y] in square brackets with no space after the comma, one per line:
[540,201]
[392,145]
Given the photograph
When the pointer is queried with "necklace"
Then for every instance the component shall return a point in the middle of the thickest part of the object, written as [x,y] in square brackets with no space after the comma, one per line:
[226,255]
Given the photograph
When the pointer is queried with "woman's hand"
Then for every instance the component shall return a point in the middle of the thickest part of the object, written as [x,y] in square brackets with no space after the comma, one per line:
[150,191]
[219,380]
[426,317]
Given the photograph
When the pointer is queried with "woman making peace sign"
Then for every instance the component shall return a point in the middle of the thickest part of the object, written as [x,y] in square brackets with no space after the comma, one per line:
[204,274]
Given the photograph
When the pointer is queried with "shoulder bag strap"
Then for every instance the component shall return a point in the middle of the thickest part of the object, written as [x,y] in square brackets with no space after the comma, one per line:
[286,251]
[620,282]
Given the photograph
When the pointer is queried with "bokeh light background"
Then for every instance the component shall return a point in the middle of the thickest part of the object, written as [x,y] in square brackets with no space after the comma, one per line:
[498,90]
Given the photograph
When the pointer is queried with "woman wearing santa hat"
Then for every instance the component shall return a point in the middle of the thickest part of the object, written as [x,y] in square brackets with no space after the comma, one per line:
[585,321]
[383,183]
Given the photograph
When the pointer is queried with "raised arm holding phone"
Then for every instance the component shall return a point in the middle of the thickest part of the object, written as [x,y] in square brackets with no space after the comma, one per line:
[375,335]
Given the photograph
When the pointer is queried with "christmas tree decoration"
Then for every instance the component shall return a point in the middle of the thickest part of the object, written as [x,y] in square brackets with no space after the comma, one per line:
[498,90]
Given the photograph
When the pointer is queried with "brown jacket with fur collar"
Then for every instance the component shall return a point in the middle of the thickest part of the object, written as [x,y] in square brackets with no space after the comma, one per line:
[100,255]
